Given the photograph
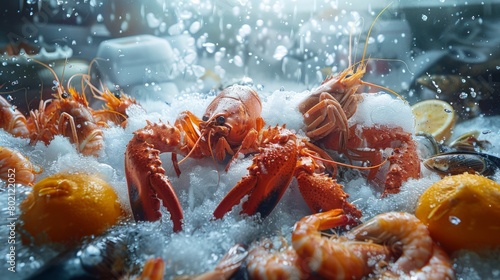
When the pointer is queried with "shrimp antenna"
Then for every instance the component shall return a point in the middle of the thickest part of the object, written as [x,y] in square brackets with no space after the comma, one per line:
[346,164]
[370,30]
[60,88]
[16,90]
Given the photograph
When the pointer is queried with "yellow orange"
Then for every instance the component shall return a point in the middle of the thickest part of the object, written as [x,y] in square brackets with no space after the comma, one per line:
[434,116]
[462,212]
[66,207]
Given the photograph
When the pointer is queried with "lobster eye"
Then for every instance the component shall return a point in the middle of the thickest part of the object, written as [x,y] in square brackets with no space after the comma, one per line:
[65,95]
[204,118]
[220,120]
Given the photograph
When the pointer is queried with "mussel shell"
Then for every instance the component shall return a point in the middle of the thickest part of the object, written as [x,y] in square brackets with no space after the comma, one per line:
[427,145]
[454,163]
[469,142]
[103,258]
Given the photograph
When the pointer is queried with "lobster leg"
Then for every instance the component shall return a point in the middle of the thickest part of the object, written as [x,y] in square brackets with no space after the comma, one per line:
[322,193]
[404,161]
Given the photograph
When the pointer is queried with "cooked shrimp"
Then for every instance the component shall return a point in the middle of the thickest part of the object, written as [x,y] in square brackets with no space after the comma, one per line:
[11,120]
[274,259]
[13,162]
[408,236]
[335,258]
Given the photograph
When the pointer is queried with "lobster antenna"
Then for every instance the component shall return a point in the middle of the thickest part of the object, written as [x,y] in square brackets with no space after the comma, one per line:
[197,143]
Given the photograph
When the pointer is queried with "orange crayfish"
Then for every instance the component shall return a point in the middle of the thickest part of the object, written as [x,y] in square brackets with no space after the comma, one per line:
[232,124]
[68,114]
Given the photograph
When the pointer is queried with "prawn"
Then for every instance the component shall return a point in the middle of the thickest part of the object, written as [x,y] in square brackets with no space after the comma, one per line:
[408,237]
[337,257]
[11,120]
[68,114]
[13,162]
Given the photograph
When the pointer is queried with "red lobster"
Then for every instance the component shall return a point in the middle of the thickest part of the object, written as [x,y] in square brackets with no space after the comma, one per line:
[230,125]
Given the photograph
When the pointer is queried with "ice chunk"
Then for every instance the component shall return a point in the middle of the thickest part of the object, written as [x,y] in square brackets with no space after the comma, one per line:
[384,109]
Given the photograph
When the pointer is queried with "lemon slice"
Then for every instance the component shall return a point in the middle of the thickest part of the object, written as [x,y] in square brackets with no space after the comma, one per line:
[462,212]
[436,117]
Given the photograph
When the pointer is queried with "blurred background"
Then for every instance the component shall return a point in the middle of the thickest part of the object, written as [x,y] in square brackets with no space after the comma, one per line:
[421,49]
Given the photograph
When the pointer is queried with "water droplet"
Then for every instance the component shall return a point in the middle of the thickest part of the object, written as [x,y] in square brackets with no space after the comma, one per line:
[198,70]
[152,20]
[329,59]
[100,18]
[463,95]
[176,29]
[380,38]
[424,17]
[238,61]
[4,63]
[31,2]
[454,220]
[9,98]
[280,52]
[210,47]
[195,27]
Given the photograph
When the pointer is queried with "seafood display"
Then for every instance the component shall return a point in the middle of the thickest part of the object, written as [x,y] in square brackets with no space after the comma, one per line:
[255,149]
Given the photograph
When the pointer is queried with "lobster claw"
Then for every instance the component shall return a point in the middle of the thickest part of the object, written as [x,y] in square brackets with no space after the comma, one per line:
[281,157]
[146,179]
[268,178]
[145,195]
